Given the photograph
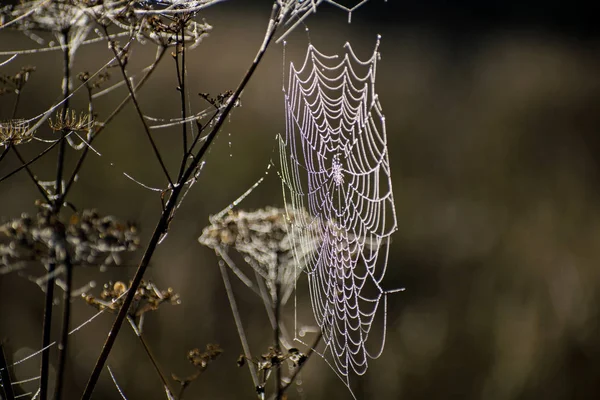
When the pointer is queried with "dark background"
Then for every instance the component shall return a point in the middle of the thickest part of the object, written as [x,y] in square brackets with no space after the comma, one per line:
[492,120]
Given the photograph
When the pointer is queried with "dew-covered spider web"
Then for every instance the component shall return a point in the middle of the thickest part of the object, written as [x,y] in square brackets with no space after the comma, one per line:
[335,164]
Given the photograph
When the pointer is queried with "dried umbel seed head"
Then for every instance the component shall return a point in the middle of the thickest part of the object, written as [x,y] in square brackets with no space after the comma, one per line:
[95,83]
[15,83]
[201,359]
[52,16]
[265,237]
[90,239]
[173,29]
[15,132]
[148,297]
[273,358]
[69,121]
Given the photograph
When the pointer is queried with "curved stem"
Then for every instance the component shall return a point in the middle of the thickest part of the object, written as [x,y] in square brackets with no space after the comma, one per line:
[137,108]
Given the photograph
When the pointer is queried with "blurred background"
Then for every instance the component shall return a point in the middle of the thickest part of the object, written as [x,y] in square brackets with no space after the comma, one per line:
[493,125]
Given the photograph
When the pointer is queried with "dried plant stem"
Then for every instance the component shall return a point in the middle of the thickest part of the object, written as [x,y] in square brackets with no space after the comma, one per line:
[34,159]
[62,345]
[16,105]
[138,333]
[31,175]
[116,111]
[309,353]
[60,163]
[277,333]
[4,153]
[182,93]
[137,106]
[47,323]
[7,388]
[166,216]
[55,209]
[238,323]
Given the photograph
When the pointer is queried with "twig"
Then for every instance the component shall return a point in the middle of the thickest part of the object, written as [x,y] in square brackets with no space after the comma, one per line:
[55,209]
[47,325]
[34,159]
[9,394]
[4,152]
[238,323]
[115,112]
[31,175]
[309,353]
[138,333]
[62,345]
[60,162]
[276,330]
[137,107]
[182,92]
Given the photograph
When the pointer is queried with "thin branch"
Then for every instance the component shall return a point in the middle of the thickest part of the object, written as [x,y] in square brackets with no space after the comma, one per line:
[277,331]
[138,333]
[5,380]
[309,353]
[47,324]
[18,98]
[55,208]
[138,109]
[32,176]
[238,323]
[4,152]
[115,112]
[60,162]
[182,92]
[62,345]
[166,216]
[25,165]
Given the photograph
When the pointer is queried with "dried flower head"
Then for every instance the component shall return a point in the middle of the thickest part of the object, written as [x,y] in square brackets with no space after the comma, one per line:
[53,16]
[263,237]
[174,30]
[69,121]
[148,297]
[15,83]
[91,234]
[15,132]
[90,238]
[274,358]
[97,83]
[201,359]
[221,100]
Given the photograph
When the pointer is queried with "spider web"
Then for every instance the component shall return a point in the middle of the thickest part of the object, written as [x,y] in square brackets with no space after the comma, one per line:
[334,163]
[299,10]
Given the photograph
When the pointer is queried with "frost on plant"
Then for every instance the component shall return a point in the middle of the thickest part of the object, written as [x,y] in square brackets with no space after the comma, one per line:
[334,163]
